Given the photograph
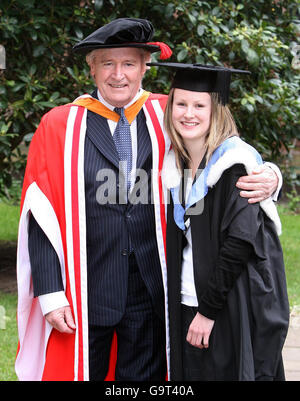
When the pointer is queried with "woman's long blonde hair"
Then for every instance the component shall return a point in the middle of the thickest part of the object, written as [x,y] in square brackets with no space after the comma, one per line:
[222,126]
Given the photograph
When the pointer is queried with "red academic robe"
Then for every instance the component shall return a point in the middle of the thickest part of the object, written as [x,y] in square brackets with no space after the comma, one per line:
[53,191]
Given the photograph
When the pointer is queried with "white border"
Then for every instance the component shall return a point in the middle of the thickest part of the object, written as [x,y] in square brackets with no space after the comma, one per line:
[34,330]
[69,226]
[83,255]
[156,199]
[82,235]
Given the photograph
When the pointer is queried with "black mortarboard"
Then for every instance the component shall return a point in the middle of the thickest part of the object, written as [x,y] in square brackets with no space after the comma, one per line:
[202,78]
[124,32]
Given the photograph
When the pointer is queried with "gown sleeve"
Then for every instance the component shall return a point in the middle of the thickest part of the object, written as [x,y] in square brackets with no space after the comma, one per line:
[45,266]
[232,260]
[237,246]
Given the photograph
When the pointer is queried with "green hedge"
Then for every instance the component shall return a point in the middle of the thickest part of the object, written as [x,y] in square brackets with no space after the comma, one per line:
[42,72]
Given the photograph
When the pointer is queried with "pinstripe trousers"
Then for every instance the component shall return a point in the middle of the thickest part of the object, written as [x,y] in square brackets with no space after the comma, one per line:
[141,349]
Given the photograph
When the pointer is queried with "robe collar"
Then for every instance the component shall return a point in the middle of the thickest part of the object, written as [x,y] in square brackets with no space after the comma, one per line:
[96,106]
[232,151]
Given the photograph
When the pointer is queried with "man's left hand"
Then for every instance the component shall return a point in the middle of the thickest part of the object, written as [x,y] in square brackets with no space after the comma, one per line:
[259,185]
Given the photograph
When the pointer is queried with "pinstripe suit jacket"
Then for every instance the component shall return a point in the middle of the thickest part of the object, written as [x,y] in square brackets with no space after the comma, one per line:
[112,229]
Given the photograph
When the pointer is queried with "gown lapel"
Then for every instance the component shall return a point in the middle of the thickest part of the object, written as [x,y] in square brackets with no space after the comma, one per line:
[144,146]
[98,132]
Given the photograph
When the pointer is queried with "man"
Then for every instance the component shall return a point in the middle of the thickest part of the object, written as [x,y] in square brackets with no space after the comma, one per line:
[92,227]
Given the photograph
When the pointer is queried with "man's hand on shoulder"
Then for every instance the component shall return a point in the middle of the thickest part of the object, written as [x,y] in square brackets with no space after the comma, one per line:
[259,185]
[62,320]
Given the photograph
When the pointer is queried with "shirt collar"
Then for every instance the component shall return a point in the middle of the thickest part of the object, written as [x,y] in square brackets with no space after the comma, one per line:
[109,106]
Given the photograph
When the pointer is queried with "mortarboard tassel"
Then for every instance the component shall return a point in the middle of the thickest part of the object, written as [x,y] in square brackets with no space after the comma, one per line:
[165,51]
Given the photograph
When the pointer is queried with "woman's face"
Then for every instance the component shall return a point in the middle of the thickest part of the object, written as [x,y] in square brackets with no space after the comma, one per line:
[191,113]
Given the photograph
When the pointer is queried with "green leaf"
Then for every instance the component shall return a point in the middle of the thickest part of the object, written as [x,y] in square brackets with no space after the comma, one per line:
[98,5]
[259,99]
[169,11]
[231,55]
[39,51]
[182,55]
[32,69]
[71,72]
[54,96]
[18,104]
[28,137]
[249,107]
[245,45]
[46,104]
[215,11]
[37,98]
[252,57]
[78,32]
[17,87]
[200,30]
[192,19]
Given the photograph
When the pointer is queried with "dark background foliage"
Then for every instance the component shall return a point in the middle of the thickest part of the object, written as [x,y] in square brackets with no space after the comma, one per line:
[41,71]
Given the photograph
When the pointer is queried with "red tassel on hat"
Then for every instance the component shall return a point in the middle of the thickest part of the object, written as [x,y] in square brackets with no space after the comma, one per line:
[165,51]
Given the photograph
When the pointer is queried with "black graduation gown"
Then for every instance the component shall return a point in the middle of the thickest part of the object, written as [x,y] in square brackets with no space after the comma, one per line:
[250,329]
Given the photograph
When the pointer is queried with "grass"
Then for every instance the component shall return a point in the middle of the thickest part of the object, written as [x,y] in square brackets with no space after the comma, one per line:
[9,216]
[290,242]
[8,336]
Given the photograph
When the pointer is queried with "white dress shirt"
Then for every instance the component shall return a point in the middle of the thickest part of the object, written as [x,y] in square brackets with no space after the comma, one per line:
[188,289]
[133,130]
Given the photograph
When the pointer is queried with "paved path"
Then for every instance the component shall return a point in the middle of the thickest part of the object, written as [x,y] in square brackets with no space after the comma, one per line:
[291,349]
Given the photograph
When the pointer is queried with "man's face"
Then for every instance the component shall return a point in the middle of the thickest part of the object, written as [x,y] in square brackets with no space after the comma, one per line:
[118,73]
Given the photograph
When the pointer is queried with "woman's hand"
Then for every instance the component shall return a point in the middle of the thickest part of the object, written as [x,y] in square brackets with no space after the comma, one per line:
[199,331]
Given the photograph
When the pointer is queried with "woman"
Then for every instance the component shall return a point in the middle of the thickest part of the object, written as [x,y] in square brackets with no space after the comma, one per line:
[227,298]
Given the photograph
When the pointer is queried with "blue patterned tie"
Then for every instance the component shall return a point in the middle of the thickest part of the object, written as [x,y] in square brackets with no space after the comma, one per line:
[122,139]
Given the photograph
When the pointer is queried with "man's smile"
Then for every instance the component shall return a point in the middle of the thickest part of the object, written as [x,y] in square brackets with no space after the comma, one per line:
[117,86]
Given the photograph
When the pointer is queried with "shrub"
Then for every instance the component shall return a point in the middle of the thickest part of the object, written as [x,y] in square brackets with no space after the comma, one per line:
[42,72]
